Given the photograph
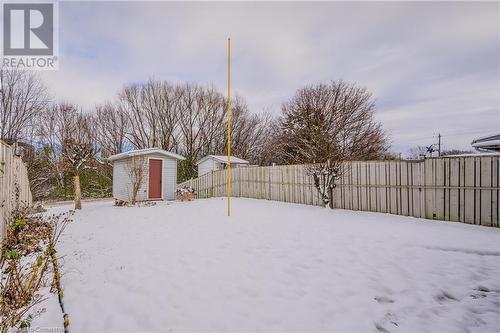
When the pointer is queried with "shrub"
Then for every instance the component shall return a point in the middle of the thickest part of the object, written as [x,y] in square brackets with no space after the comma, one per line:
[27,259]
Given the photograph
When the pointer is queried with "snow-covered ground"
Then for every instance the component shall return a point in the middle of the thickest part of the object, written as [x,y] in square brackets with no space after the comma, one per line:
[274,267]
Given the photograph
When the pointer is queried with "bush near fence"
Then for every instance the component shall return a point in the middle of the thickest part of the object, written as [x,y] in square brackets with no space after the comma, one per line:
[462,189]
[14,184]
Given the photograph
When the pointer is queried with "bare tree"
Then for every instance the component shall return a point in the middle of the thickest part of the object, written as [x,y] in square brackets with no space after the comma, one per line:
[325,176]
[67,142]
[201,125]
[330,118]
[325,125]
[417,153]
[42,151]
[112,125]
[134,168]
[211,121]
[54,126]
[41,174]
[191,120]
[152,111]
[249,132]
[23,97]
[79,149]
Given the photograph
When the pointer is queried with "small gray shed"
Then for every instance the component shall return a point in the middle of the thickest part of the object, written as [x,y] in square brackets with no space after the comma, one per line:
[218,162]
[156,168]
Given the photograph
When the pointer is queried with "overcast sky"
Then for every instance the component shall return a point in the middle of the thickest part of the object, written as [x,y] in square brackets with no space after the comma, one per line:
[432,67]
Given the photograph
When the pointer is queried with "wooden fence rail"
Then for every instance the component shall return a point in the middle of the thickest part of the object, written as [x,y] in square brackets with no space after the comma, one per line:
[462,189]
[14,184]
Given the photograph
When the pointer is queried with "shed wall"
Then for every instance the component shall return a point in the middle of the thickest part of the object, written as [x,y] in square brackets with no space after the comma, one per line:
[206,166]
[120,180]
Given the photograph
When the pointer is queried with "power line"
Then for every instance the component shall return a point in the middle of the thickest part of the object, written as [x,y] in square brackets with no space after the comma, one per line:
[444,134]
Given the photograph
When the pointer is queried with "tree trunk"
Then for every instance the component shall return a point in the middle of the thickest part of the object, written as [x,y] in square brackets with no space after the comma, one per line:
[330,197]
[78,193]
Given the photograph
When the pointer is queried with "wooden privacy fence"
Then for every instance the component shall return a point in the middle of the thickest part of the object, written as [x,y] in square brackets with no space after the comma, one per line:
[462,189]
[14,184]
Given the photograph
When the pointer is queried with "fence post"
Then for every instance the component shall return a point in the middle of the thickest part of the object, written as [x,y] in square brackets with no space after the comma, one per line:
[212,180]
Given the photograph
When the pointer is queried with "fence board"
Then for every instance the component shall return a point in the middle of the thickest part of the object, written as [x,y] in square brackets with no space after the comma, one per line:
[454,167]
[439,193]
[485,204]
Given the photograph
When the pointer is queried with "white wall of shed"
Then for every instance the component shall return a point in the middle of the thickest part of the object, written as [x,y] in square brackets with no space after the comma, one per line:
[206,166]
[121,189]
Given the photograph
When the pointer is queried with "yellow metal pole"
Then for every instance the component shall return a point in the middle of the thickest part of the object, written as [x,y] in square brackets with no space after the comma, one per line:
[229,127]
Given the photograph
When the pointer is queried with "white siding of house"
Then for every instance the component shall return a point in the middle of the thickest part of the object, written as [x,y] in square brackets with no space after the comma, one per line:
[122,188]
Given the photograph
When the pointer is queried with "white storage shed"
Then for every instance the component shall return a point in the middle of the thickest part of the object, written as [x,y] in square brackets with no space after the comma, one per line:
[156,168]
[218,162]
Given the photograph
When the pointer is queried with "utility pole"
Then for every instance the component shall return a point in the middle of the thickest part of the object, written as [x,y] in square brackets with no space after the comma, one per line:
[439,144]
[229,127]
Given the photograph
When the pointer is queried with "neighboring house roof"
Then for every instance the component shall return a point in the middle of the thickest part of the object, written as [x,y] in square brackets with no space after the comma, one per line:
[487,142]
[223,159]
[471,155]
[145,151]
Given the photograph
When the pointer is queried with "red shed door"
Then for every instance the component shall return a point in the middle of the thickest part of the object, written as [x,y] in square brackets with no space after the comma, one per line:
[155,172]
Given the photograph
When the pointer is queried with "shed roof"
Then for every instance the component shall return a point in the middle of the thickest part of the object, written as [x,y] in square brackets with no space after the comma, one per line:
[223,159]
[145,151]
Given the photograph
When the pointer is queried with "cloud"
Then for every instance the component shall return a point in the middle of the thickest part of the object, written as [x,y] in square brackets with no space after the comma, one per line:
[432,67]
